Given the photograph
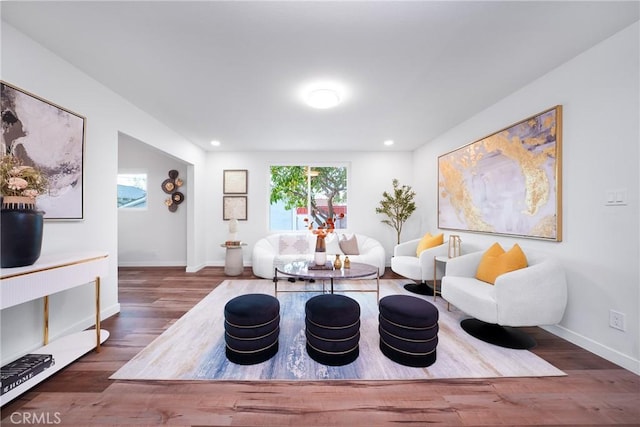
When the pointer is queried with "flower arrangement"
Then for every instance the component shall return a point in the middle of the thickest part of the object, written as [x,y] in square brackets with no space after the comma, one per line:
[325,228]
[19,180]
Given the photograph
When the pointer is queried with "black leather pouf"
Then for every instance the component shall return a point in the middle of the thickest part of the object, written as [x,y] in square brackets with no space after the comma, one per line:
[333,329]
[408,330]
[252,327]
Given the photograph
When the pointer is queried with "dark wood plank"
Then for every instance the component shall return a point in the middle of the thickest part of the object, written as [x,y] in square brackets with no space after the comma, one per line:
[595,392]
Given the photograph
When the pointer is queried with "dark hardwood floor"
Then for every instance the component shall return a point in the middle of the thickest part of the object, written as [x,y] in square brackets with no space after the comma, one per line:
[595,392]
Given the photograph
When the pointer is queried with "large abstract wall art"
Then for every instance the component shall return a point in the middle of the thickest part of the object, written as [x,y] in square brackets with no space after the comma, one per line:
[508,183]
[51,138]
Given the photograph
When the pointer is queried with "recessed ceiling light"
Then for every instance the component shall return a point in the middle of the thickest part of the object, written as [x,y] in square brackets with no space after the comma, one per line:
[215,143]
[323,98]
[388,142]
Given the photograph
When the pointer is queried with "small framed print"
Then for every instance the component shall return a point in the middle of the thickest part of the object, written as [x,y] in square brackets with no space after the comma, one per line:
[235,181]
[234,207]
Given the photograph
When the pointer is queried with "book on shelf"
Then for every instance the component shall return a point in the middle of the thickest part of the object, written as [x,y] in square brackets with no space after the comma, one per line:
[23,369]
[233,243]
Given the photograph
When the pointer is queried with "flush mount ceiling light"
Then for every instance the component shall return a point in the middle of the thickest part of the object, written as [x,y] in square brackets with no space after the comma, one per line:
[323,94]
[215,143]
[323,98]
[388,142]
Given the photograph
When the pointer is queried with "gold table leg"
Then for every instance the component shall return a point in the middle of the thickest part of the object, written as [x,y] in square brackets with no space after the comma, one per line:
[46,320]
[435,276]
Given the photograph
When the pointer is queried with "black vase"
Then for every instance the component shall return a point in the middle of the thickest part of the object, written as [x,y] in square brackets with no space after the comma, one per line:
[21,231]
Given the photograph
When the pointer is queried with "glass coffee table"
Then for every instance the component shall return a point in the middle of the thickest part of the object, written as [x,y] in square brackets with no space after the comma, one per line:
[306,270]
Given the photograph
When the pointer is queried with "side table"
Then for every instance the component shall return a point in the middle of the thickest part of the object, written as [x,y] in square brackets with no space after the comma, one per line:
[233,265]
[443,260]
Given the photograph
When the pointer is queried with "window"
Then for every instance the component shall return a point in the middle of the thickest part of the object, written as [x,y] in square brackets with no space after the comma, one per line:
[132,191]
[313,192]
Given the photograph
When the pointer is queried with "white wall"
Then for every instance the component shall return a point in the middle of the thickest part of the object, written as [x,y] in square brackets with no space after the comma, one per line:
[369,175]
[31,67]
[599,91]
[152,236]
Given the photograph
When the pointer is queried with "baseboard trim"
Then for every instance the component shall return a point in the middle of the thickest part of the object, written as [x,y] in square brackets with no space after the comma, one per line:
[151,263]
[594,347]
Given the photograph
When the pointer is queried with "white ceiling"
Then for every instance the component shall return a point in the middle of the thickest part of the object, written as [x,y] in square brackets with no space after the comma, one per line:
[232,71]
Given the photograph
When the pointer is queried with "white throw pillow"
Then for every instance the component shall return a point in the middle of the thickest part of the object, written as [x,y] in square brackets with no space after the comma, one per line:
[349,245]
[293,244]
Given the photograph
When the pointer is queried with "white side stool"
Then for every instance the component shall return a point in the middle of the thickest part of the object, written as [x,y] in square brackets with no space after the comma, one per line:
[233,265]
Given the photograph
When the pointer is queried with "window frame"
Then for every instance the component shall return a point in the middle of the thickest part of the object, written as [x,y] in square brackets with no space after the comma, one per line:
[310,165]
[125,208]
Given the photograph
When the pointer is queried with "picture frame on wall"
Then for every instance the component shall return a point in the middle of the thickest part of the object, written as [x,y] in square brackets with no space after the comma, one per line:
[51,138]
[507,183]
[234,181]
[234,207]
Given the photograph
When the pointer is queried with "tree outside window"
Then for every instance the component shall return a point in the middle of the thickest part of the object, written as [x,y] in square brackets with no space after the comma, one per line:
[314,192]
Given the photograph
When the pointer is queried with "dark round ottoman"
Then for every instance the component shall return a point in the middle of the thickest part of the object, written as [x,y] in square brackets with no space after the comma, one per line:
[252,326]
[408,330]
[333,329]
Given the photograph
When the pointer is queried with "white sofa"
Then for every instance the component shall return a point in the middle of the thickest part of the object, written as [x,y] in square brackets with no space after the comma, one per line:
[531,296]
[277,249]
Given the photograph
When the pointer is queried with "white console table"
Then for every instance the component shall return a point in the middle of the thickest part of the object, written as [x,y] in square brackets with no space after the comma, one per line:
[49,275]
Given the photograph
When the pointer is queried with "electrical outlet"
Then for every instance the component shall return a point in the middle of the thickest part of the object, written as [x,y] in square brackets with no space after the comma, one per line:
[616,320]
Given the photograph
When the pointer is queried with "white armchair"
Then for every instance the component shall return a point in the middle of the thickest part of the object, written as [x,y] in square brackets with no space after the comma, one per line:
[421,269]
[531,296]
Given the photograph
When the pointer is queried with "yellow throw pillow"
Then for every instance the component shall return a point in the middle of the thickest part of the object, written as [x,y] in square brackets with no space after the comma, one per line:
[496,261]
[429,241]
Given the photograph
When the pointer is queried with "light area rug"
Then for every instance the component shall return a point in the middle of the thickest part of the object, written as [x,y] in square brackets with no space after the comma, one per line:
[193,348]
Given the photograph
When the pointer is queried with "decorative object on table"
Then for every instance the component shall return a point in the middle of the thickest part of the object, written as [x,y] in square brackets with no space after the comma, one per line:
[51,139]
[234,181]
[337,264]
[171,186]
[23,369]
[397,206]
[326,266]
[472,195]
[234,207]
[233,230]
[347,262]
[320,254]
[454,245]
[21,224]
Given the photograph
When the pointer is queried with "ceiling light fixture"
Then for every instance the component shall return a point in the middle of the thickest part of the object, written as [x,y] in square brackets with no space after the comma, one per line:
[215,143]
[323,98]
[323,94]
[388,142]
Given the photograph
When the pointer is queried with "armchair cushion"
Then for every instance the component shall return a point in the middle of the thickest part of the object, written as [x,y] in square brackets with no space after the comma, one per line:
[495,261]
[429,241]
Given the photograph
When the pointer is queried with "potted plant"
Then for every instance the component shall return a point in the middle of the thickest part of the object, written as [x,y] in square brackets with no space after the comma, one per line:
[397,206]
[21,224]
